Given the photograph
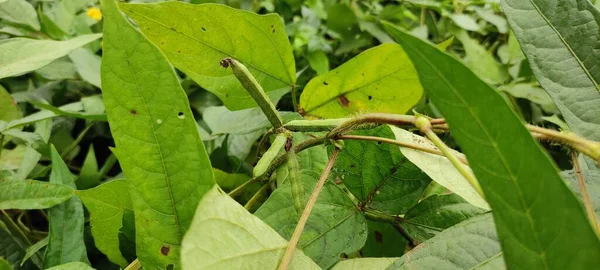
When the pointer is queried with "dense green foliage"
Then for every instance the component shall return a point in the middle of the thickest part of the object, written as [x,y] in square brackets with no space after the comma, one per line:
[284,134]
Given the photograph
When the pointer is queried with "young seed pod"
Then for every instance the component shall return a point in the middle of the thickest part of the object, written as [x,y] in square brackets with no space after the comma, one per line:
[265,161]
[296,182]
[254,89]
[314,125]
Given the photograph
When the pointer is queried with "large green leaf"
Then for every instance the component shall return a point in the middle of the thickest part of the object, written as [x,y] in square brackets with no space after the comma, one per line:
[437,213]
[195,43]
[560,40]
[10,111]
[158,146]
[32,194]
[335,225]
[364,264]
[378,175]
[19,12]
[66,221]
[381,78]
[471,244]
[438,167]
[22,55]
[533,208]
[224,235]
[106,204]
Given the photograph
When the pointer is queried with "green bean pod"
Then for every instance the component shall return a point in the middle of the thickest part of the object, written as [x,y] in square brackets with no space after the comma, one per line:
[295,179]
[265,161]
[255,90]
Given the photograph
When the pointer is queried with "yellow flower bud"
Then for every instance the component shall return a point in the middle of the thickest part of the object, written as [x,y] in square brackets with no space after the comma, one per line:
[94,13]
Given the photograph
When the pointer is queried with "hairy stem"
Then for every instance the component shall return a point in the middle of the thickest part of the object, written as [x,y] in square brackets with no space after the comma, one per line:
[587,147]
[425,126]
[587,202]
[399,143]
[287,256]
[257,197]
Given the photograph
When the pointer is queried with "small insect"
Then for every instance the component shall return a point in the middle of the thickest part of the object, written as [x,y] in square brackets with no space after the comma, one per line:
[288,144]
[344,100]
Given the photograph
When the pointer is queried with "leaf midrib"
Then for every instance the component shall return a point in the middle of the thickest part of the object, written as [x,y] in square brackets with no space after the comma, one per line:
[221,51]
[562,39]
[494,146]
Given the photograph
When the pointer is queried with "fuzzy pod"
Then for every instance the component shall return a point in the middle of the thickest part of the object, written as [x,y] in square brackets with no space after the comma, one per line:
[295,180]
[255,90]
[265,161]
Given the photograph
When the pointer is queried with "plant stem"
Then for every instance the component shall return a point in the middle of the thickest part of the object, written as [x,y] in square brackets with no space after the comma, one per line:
[14,227]
[399,143]
[241,187]
[587,147]
[584,193]
[1,143]
[257,196]
[425,126]
[135,265]
[294,98]
[287,256]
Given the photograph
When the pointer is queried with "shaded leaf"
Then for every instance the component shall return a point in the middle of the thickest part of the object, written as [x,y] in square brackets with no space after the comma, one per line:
[66,221]
[89,176]
[87,65]
[335,225]
[32,194]
[72,266]
[532,206]
[12,249]
[438,167]
[10,111]
[106,204]
[481,61]
[437,213]
[224,235]
[32,252]
[367,82]
[158,146]
[471,244]
[22,55]
[383,241]
[19,12]
[260,43]
[532,93]
[364,264]
[221,120]
[378,175]
[59,69]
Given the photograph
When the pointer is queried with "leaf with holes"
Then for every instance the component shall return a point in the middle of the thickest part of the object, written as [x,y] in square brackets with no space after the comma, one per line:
[381,78]
[224,235]
[106,204]
[195,43]
[335,225]
[158,146]
[532,206]
[378,175]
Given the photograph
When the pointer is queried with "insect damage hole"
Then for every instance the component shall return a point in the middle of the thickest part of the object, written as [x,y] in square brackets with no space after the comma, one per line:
[203,29]
[181,115]
[164,250]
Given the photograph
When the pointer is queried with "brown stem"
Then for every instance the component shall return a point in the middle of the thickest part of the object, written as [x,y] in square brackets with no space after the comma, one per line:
[287,256]
[587,202]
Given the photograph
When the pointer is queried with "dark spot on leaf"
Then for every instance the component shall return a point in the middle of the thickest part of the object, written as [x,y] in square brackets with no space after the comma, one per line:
[162,43]
[147,28]
[164,250]
[363,74]
[178,51]
[393,169]
[352,165]
[344,100]
[170,267]
[172,28]
[370,97]
[325,83]
[203,29]
[226,95]
[132,112]
[272,26]
[378,142]
[378,237]
[273,31]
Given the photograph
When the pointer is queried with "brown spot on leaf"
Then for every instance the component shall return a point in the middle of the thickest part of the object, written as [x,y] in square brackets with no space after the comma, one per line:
[203,29]
[344,100]
[273,31]
[164,250]
[325,83]
[370,97]
[378,237]
[288,144]
[132,112]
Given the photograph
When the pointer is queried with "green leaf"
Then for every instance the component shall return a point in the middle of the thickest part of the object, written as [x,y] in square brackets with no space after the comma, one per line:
[87,65]
[59,69]
[71,108]
[4,265]
[221,120]
[378,175]
[224,235]
[312,159]
[437,213]
[89,176]
[31,156]
[22,55]
[258,42]
[438,167]
[591,178]
[364,264]
[19,12]
[318,61]
[10,111]
[383,241]
[12,248]
[106,204]
[335,225]
[158,146]
[532,93]
[72,266]
[368,81]
[12,158]
[519,180]
[32,251]
[465,22]
[560,38]
[66,221]
[471,244]
[481,61]
[32,194]
[58,111]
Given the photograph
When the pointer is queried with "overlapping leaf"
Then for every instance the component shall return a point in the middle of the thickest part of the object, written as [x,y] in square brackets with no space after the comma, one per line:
[195,43]
[32,194]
